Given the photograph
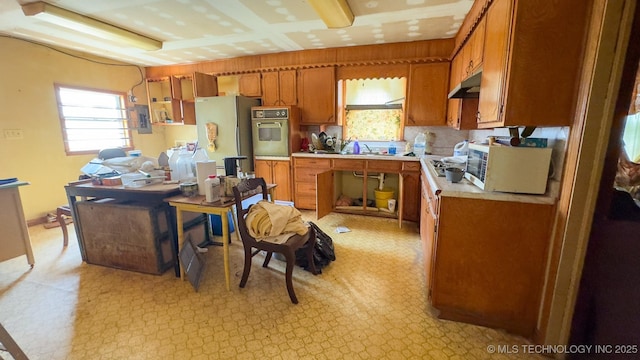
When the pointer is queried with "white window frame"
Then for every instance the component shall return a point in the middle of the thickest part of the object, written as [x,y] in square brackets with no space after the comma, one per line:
[89,126]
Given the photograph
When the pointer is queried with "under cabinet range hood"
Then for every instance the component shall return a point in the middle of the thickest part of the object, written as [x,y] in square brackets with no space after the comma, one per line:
[468,88]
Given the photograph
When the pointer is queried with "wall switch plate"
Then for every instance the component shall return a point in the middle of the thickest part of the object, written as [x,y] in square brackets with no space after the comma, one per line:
[13,134]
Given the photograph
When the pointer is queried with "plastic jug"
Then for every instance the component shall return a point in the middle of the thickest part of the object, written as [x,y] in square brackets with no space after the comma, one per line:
[420,144]
[356,147]
[183,166]
[461,148]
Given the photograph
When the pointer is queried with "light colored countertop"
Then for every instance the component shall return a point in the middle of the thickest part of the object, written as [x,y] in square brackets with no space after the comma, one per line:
[398,157]
[465,189]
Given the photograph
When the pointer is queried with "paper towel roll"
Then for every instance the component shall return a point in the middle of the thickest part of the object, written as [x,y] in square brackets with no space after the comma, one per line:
[203,170]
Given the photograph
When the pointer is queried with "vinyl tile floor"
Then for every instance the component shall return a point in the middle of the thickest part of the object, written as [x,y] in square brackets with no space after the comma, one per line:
[368,304]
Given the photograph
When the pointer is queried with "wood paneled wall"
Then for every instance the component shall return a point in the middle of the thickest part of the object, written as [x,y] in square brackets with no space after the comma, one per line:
[395,53]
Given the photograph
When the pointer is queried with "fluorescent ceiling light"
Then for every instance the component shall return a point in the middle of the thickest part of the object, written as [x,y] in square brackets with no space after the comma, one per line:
[334,13]
[87,25]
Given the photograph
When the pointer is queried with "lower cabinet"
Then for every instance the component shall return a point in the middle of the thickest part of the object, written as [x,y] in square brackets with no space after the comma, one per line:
[318,182]
[304,180]
[486,261]
[276,172]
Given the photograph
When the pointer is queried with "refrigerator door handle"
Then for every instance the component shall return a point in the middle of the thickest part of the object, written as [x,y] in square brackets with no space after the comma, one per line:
[238,139]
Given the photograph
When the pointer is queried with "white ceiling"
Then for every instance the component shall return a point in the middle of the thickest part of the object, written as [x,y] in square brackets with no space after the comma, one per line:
[201,30]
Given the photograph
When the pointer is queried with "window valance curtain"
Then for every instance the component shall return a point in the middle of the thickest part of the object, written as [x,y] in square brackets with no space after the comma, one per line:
[372,71]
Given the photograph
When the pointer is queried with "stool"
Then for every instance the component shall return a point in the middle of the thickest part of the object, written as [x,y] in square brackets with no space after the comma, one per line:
[63,210]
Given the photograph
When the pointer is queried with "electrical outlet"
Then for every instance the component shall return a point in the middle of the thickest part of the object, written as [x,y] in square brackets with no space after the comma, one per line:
[13,134]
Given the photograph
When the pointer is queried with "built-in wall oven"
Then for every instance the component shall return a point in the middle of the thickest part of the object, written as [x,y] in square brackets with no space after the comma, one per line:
[275,130]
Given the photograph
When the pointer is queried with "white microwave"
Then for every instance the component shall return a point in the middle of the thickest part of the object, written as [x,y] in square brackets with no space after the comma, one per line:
[513,169]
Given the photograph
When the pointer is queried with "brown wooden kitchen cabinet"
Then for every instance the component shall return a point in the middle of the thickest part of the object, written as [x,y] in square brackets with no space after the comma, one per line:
[304,180]
[472,56]
[427,94]
[428,221]
[164,95]
[319,181]
[531,63]
[249,85]
[317,96]
[276,172]
[192,86]
[462,113]
[279,88]
[410,190]
[487,259]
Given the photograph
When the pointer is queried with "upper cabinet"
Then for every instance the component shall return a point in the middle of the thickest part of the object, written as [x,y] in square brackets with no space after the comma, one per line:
[531,63]
[164,95]
[172,98]
[473,50]
[427,94]
[249,85]
[317,96]
[279,88]
[192,86]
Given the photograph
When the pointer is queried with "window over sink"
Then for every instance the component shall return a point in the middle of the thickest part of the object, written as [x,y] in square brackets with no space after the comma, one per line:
[373,109]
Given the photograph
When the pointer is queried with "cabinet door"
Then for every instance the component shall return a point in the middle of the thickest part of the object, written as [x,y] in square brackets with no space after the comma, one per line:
[287,85]
[249,85]
[427,95]
[453,113]
[281,172]
[494,65]
[262,168]
[324,193]
[317,95]
[411,196]
[204,85]
[270,88]
[477,46]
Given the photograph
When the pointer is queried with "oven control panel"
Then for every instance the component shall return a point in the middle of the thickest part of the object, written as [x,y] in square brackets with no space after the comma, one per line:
[270,113]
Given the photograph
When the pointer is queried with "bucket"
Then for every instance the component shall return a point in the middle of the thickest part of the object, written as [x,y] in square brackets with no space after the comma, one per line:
[383,196]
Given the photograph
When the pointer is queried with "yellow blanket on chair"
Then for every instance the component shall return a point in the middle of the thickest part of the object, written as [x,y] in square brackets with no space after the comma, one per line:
[274,223]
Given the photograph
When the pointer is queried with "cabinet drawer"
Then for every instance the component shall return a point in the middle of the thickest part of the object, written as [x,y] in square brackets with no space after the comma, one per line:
[411,166]
[306,188]
[313,163]
[384,165]
[307,176]
[305,202]
[344,164]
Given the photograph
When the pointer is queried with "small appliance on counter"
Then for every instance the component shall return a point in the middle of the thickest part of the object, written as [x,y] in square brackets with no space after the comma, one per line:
[523,170]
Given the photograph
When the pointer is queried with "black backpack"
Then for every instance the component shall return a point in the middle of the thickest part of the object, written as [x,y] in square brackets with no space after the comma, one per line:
[323,251]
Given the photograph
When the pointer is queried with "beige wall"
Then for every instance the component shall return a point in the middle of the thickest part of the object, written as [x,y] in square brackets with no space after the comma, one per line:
[27,98]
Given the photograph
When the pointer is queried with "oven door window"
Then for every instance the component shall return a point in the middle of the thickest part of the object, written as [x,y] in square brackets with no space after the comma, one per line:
[269,132]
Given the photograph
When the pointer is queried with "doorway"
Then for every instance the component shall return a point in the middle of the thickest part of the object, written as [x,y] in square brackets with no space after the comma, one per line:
[607,310]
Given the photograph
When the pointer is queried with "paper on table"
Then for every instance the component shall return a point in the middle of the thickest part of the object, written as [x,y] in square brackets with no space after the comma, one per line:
[342,229]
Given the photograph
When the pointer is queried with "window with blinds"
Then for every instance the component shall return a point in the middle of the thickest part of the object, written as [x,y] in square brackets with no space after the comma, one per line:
[92,120]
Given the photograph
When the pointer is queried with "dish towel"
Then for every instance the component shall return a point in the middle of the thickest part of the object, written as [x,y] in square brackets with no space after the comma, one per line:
[274,223]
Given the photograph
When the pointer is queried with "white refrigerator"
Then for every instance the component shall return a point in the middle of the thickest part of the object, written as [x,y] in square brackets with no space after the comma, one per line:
[224,128]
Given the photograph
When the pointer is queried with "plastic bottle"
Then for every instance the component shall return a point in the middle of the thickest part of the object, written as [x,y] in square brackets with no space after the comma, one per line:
[212,189]
[173,159]
[392,148]
[183,166]
[461,148]
[199,155]
[356,147]
[420,144]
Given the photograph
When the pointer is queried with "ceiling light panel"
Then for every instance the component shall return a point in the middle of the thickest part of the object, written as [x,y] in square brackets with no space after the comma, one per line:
[84,24]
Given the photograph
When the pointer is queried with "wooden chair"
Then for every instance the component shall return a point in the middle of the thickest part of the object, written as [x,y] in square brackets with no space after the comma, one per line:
[288,249]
